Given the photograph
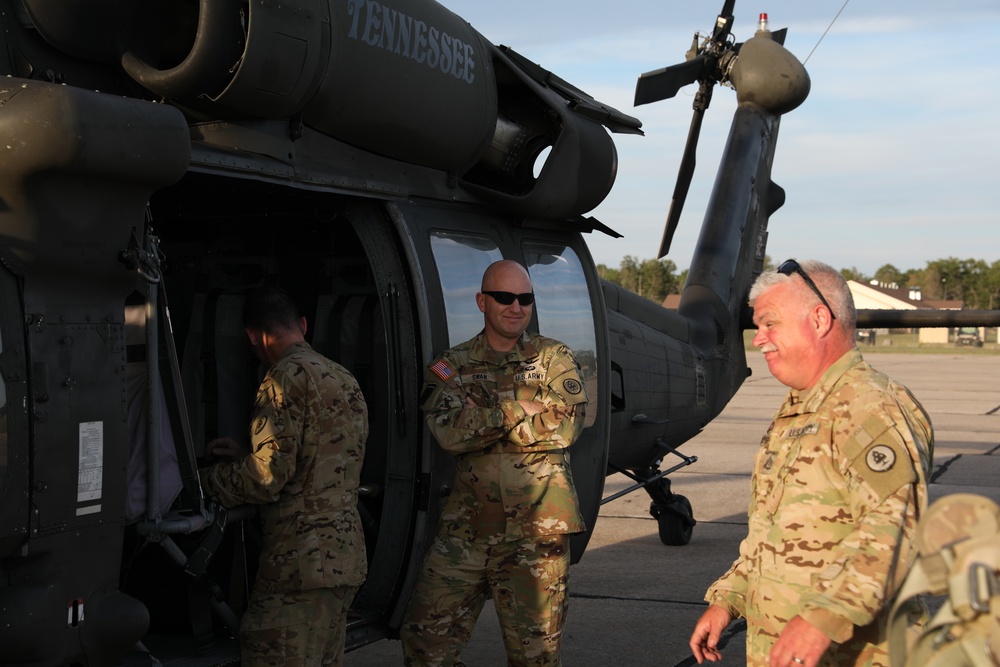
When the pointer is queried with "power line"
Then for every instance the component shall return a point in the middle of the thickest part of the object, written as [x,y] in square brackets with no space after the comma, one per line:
[825,31]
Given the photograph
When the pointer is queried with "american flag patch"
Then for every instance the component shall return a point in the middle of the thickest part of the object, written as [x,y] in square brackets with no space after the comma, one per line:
[442,370]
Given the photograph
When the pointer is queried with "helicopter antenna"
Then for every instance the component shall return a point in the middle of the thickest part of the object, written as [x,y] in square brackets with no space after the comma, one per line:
[842,8]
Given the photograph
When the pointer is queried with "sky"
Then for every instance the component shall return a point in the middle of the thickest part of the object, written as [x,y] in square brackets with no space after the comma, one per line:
[892,159]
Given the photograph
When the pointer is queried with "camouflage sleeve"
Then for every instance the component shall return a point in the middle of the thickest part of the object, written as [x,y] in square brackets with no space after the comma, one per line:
[887,490]
[275,437]
[466,418]
[856,586]
[729,590]
[559,424]
[458,426]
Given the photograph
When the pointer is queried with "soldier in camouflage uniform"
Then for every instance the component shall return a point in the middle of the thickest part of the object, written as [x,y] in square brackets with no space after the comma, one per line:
[839,483]
[959,566]
[307,436]
[507,405]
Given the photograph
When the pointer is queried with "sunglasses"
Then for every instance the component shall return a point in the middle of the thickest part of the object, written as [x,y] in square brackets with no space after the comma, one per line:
[507,298]
[790,266]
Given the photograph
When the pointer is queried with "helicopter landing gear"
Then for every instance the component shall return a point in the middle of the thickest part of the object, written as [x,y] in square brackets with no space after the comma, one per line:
[673,513]
[675,521]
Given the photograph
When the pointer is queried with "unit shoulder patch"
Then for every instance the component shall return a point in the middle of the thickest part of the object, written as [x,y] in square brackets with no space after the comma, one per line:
[884,466]
[880,458]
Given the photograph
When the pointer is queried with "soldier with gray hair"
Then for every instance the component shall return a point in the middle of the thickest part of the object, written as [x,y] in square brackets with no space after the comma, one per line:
[307,435]
[507,404]
[839,483]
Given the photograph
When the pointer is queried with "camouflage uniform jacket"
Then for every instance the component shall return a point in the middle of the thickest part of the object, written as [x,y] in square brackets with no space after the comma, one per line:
[838,485]
[512,473]
[307,434]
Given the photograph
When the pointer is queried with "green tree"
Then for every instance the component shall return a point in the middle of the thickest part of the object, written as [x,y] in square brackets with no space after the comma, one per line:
[854,274]
[972,281]
[651,278]
[992,282]
[888,274]
[657,279]
[932,284]
[958,279]
[628,274]
[611,275]
[910,278]
[975,284]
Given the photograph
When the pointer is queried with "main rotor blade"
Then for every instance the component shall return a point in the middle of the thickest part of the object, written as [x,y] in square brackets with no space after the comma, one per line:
[724,23]
[727,7]
[686,171]
[663,83]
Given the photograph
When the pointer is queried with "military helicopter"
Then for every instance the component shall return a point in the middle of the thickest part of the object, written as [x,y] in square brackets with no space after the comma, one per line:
[371,158]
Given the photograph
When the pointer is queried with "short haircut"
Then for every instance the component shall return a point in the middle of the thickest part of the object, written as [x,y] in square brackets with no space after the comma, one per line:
[828,280]
[270,309]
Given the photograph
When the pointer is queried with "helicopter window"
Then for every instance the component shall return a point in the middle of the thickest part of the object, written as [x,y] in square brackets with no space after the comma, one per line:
[561,295]
[563,305]
[459,256]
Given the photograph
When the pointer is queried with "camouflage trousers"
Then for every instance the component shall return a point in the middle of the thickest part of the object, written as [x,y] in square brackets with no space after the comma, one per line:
[303,629]
[528,580]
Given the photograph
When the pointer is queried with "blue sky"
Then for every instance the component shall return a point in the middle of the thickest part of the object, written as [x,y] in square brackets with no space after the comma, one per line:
[893,158]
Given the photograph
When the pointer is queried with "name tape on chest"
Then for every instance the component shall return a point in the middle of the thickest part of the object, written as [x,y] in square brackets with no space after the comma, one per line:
[799,431]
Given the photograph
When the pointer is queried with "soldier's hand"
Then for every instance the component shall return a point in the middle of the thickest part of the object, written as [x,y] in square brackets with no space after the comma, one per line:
[705,638]
[531,407]
[800,644]
[225,450]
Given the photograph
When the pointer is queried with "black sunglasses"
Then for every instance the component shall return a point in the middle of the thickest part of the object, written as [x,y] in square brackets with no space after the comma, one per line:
[790,266]
[507,298]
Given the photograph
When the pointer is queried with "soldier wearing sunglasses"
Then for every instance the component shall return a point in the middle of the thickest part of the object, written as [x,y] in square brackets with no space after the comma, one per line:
[507,405]
[839,483]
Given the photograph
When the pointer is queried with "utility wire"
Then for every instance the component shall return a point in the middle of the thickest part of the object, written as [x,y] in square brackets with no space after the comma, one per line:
[844,6]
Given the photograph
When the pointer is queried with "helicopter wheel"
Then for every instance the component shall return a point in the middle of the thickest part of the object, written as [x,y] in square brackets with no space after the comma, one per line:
[675,530]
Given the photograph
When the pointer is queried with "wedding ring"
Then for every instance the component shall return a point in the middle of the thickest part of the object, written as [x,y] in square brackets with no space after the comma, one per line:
[799,661]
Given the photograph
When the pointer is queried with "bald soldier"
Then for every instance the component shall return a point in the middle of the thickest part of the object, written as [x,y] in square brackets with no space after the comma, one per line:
[507,405]
[307,436]
[838,485]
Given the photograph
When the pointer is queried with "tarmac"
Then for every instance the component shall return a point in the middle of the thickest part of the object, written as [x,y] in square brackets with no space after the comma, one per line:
[635,601]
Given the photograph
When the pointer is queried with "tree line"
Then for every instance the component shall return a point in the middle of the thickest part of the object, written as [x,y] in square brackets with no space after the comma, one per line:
[974,282]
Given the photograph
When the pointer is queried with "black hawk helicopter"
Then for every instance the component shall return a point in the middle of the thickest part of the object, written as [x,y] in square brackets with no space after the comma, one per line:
[371,157]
